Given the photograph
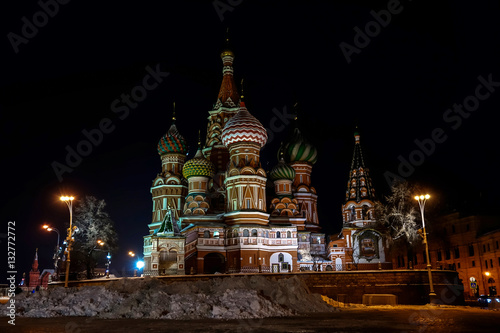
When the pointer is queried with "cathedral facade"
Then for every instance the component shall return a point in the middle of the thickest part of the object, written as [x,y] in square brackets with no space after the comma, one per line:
[211,214]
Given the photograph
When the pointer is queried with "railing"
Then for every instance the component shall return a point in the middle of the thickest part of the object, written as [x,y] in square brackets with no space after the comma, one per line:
[151,273]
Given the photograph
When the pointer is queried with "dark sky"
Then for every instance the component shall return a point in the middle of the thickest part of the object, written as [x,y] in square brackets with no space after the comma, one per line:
[397,87]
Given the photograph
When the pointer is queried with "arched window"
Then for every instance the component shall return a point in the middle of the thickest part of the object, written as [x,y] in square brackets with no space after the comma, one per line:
[216,234]
[278,234]
[254,232]
[267,234]
[245,233]
[281,257]
[288,234]
[235,232]
[206,234]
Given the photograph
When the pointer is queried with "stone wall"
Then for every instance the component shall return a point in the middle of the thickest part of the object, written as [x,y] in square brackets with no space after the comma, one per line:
[410,286]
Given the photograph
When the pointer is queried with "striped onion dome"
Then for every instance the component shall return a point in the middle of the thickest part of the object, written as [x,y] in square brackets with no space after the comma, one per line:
[282,171]
[243,127]
[172,142]
[198,166]
[299,150]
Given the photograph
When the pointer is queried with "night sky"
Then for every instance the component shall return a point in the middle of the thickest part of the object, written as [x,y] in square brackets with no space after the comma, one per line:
[396,84]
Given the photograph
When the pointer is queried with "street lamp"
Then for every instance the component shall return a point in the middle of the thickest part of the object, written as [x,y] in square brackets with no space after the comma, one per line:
[56,254]
[107,265]
[69,239]
[421,202]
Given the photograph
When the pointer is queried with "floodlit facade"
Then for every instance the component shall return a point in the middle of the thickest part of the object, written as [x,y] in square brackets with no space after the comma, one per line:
[211,214]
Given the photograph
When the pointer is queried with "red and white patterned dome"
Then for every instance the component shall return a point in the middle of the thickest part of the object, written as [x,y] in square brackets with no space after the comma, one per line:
[243,127]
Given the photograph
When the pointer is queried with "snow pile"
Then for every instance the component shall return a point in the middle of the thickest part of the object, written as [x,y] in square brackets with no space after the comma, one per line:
[224,298]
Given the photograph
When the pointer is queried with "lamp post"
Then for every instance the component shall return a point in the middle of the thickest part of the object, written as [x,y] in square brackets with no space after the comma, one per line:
[421,202]
[56,253]
[107,265]
[69,239]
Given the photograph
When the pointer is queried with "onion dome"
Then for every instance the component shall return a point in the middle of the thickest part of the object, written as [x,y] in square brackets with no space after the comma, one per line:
[243,127]
[198,166]
[299,150]
[282,171]
[172,142]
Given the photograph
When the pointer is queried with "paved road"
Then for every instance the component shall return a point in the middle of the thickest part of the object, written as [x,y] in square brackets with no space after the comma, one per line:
[379,319]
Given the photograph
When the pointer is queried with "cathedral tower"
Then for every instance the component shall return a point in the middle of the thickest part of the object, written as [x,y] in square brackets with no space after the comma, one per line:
[198,171]
[245,180]
[169,188]
[301,156]
[226,106]
[357,209]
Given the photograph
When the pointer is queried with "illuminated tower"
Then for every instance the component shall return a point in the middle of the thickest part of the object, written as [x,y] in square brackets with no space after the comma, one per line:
[301,156]
[245,180]
[34,273]
[169,188]
[226,106]
[357,209]
[198,171]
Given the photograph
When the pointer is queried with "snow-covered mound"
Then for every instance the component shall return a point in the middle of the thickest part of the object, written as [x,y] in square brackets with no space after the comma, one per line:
[222,298]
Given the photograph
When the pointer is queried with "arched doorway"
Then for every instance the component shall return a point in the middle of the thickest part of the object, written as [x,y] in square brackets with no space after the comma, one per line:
[168,262]
[214,262]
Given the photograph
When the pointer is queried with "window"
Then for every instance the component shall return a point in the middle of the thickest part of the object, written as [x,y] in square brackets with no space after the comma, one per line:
[467,227]
[216,234]
[491,263]
[245,233]
[486,263]
[447,254]
[453,228]
[281,257]
[488,247]
[439,256]
[457,253]
[484,248]
[206,234]
[473,263]
[249,260]
[248,203]
[235,233]
[278,234]
[415,260]
[288,234]
[458,265]
[471,250]
[254,232]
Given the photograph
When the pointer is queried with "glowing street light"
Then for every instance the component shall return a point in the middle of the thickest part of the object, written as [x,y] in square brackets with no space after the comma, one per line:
[131,253]
[69,240]
[421,202]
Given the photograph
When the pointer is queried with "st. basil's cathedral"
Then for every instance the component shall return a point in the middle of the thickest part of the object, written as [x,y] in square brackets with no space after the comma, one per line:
[214,214]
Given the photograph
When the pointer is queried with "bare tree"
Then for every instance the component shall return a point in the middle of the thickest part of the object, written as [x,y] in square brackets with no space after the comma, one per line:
[398,218]
[94,224]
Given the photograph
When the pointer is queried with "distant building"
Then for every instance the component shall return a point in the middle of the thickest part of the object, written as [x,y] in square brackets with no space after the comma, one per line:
[211,213]
[468,244]
[37,279]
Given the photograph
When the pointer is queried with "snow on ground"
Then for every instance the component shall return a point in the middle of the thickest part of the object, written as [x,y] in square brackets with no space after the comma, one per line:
[225,298]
